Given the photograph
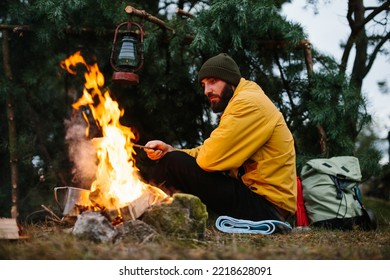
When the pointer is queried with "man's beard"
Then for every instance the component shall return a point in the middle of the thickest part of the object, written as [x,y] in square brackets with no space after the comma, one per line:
[226,95]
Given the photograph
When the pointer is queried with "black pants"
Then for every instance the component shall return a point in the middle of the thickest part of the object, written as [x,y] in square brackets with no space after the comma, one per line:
[222,194]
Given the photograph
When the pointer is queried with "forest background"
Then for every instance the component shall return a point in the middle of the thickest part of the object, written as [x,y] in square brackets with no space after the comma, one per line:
[322,102]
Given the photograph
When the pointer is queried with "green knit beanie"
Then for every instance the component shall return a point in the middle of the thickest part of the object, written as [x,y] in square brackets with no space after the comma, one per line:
[222,67]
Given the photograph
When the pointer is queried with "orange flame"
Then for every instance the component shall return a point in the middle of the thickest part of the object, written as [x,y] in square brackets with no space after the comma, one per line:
[117,181]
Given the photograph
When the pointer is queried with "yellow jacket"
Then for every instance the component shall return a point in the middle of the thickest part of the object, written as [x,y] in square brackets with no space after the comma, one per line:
[253,133]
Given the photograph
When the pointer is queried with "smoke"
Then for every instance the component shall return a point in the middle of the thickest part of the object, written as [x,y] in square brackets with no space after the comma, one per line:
[82,153]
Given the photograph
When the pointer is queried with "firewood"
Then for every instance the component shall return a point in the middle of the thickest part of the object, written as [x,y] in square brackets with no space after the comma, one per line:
[111,214]
[137,207]
[8,229]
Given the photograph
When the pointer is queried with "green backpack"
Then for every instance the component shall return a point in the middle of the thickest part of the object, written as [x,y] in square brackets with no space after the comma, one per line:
[332,196]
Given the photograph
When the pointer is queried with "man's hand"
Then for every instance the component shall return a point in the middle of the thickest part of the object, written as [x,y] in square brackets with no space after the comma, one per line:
[157,149]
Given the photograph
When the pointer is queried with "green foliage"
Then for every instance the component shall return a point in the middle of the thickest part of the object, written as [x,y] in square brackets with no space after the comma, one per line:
[330,102]
[243,30]
[369,155]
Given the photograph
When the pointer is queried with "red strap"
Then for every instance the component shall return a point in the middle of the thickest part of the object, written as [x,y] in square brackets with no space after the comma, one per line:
[301,216]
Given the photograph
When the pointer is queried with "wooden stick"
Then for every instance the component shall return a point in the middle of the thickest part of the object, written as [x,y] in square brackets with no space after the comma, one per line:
[143,147]
[142,14]
[51,212]
[184,13]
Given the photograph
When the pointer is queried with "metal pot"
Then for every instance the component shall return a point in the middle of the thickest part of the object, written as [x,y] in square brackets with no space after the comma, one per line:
[68,198]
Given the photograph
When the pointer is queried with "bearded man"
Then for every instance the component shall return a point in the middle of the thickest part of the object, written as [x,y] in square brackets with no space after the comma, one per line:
[246,169]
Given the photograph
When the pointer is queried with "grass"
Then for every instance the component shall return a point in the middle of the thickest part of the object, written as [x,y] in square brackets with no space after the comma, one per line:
[51,241]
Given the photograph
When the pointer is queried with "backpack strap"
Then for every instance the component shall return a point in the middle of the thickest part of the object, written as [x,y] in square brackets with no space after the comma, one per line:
[358,196]
[301,216]
[341,185]
[368,220]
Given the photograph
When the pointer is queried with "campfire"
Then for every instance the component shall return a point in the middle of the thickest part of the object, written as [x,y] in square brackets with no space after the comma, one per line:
[117,190]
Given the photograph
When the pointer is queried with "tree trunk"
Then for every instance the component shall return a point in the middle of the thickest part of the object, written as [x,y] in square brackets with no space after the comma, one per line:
[11,128]
[309,67]
[358,38]
[361,45]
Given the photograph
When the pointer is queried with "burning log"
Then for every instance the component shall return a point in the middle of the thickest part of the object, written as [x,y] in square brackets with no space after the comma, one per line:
[136,208]
[112,215]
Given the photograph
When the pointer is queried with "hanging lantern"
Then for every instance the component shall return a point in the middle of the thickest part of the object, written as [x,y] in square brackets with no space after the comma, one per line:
[127,54]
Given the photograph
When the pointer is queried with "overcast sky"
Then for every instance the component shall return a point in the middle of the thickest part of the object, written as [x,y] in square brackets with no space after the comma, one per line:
[326,30]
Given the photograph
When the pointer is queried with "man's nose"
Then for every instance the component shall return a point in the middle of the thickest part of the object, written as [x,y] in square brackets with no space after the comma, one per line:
[207,90]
